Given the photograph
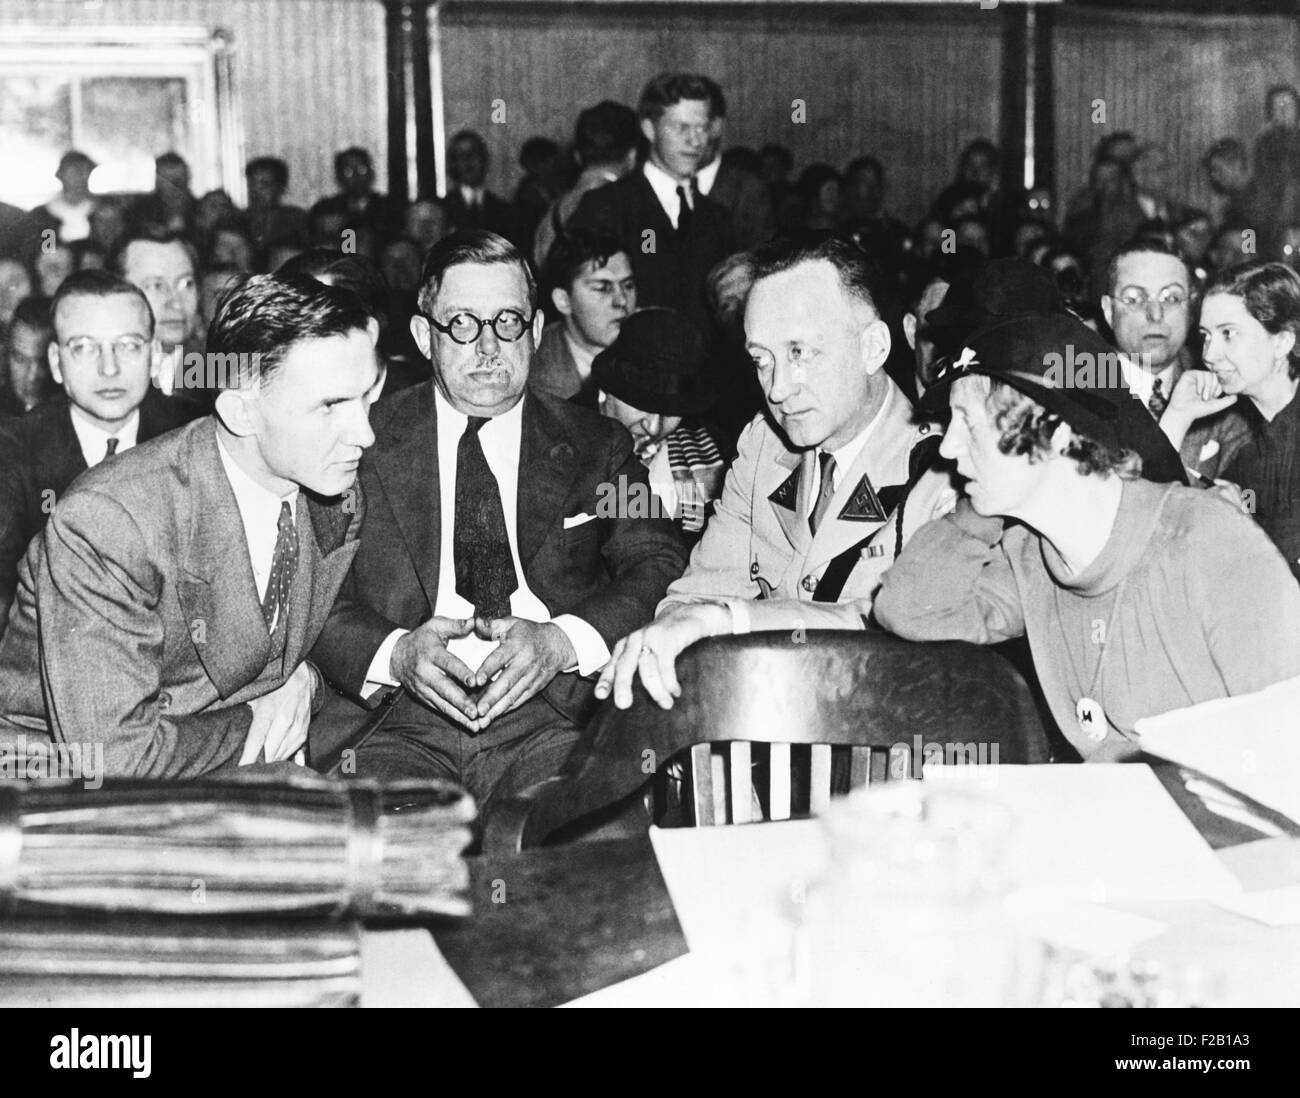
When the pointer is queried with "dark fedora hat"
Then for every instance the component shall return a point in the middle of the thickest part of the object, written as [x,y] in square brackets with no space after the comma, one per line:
[981,296]
[658,364]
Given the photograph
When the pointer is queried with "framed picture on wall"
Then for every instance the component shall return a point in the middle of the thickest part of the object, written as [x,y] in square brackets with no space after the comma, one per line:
[123,96]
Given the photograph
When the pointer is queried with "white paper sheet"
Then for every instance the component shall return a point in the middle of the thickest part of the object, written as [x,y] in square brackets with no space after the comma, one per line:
[1251,743]
[1105,833]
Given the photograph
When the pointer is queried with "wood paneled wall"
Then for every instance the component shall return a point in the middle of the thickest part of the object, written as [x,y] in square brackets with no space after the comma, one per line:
[909,85]
[310,73]
[1179,83]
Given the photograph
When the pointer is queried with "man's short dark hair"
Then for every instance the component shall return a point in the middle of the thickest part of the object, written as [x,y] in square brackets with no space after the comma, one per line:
[865,164]
[780,154]
[34,312]
[273,166]
[352,152]
[605,133]
[469,135]
[146,234]
[469,246]
[670,88]
[346,270]
[1140,245]
[94,283]
[573,250]
[859,276]
[262,318]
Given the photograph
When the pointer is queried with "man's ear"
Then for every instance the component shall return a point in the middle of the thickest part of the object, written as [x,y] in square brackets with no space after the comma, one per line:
[372,330]
[909,329]
[648,129]
[52,356]
[423,335]
[236,410]
[1108,309]
[874,344]
[1283,343]
[163,365]
[561,300]
[539,322]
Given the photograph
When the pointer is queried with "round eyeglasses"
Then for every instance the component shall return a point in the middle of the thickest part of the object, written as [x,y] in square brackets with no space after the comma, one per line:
[1171,297]
[508,325]
[84,351]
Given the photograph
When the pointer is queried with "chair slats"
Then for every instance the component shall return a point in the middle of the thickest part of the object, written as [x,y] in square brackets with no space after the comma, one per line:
[779,781]
[879,766]
[900,762]
[860,772]
[819,789]
[742,785]
[702,785]
[718,762]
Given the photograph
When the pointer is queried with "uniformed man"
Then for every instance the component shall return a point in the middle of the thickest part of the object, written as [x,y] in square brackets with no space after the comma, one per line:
[822,496]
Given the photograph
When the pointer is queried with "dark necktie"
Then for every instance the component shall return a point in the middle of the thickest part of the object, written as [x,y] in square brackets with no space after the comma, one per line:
[685,214]
[283,565]
[1158,402]
[112,447]
[825,494]
[485,572]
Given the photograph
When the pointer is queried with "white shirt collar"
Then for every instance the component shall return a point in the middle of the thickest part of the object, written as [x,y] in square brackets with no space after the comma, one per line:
[707,176]
[93,439]
[259,508]
[665,188]
[502,427]
[473,196]
[1141,382]
[849,453]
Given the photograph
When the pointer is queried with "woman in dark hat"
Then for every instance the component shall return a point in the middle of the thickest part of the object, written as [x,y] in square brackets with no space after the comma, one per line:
[1136,597]
[653,378]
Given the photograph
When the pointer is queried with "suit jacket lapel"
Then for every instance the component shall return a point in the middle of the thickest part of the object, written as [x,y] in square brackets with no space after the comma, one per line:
[839,531]
[548,464]
[664,231]
[66,446]
[407,468]
[216,589]
[320,575]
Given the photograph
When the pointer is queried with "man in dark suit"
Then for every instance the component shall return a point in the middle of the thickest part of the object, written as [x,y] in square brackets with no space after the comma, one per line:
[167,606]
[358,205]
[106,406]
[469,204]
[490,580]
[672,252]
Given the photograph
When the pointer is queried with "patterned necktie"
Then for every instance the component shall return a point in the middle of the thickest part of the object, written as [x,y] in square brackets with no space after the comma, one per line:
[485,571]
[283,565]
[112,447]
[685,212]
[825,494]
[1158,402]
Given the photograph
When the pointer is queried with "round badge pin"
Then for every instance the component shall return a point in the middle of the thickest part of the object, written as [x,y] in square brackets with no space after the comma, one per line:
[1091,718]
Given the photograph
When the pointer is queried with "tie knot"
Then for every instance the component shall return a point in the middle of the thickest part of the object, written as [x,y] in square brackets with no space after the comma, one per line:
[286,516]
[1158,387]
[112,446]
[474,424]
[828,466]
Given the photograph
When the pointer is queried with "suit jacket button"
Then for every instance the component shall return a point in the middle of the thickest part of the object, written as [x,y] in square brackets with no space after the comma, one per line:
[809,583]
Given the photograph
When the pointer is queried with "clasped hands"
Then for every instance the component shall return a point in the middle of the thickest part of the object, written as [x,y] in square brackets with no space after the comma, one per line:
[527,657]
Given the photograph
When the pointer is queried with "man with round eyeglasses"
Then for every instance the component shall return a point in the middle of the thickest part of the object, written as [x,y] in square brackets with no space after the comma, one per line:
[491,581]
[1149,308]
[101,355]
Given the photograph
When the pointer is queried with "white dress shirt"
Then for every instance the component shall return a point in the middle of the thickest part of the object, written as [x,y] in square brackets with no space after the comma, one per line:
[665,188]
[1142,383]
[93,439]
[260,509]
[473,197]
[707,176]
[500,438]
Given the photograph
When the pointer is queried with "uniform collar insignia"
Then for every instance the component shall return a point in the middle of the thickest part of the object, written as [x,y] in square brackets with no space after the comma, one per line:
[864,505]
[787,491]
